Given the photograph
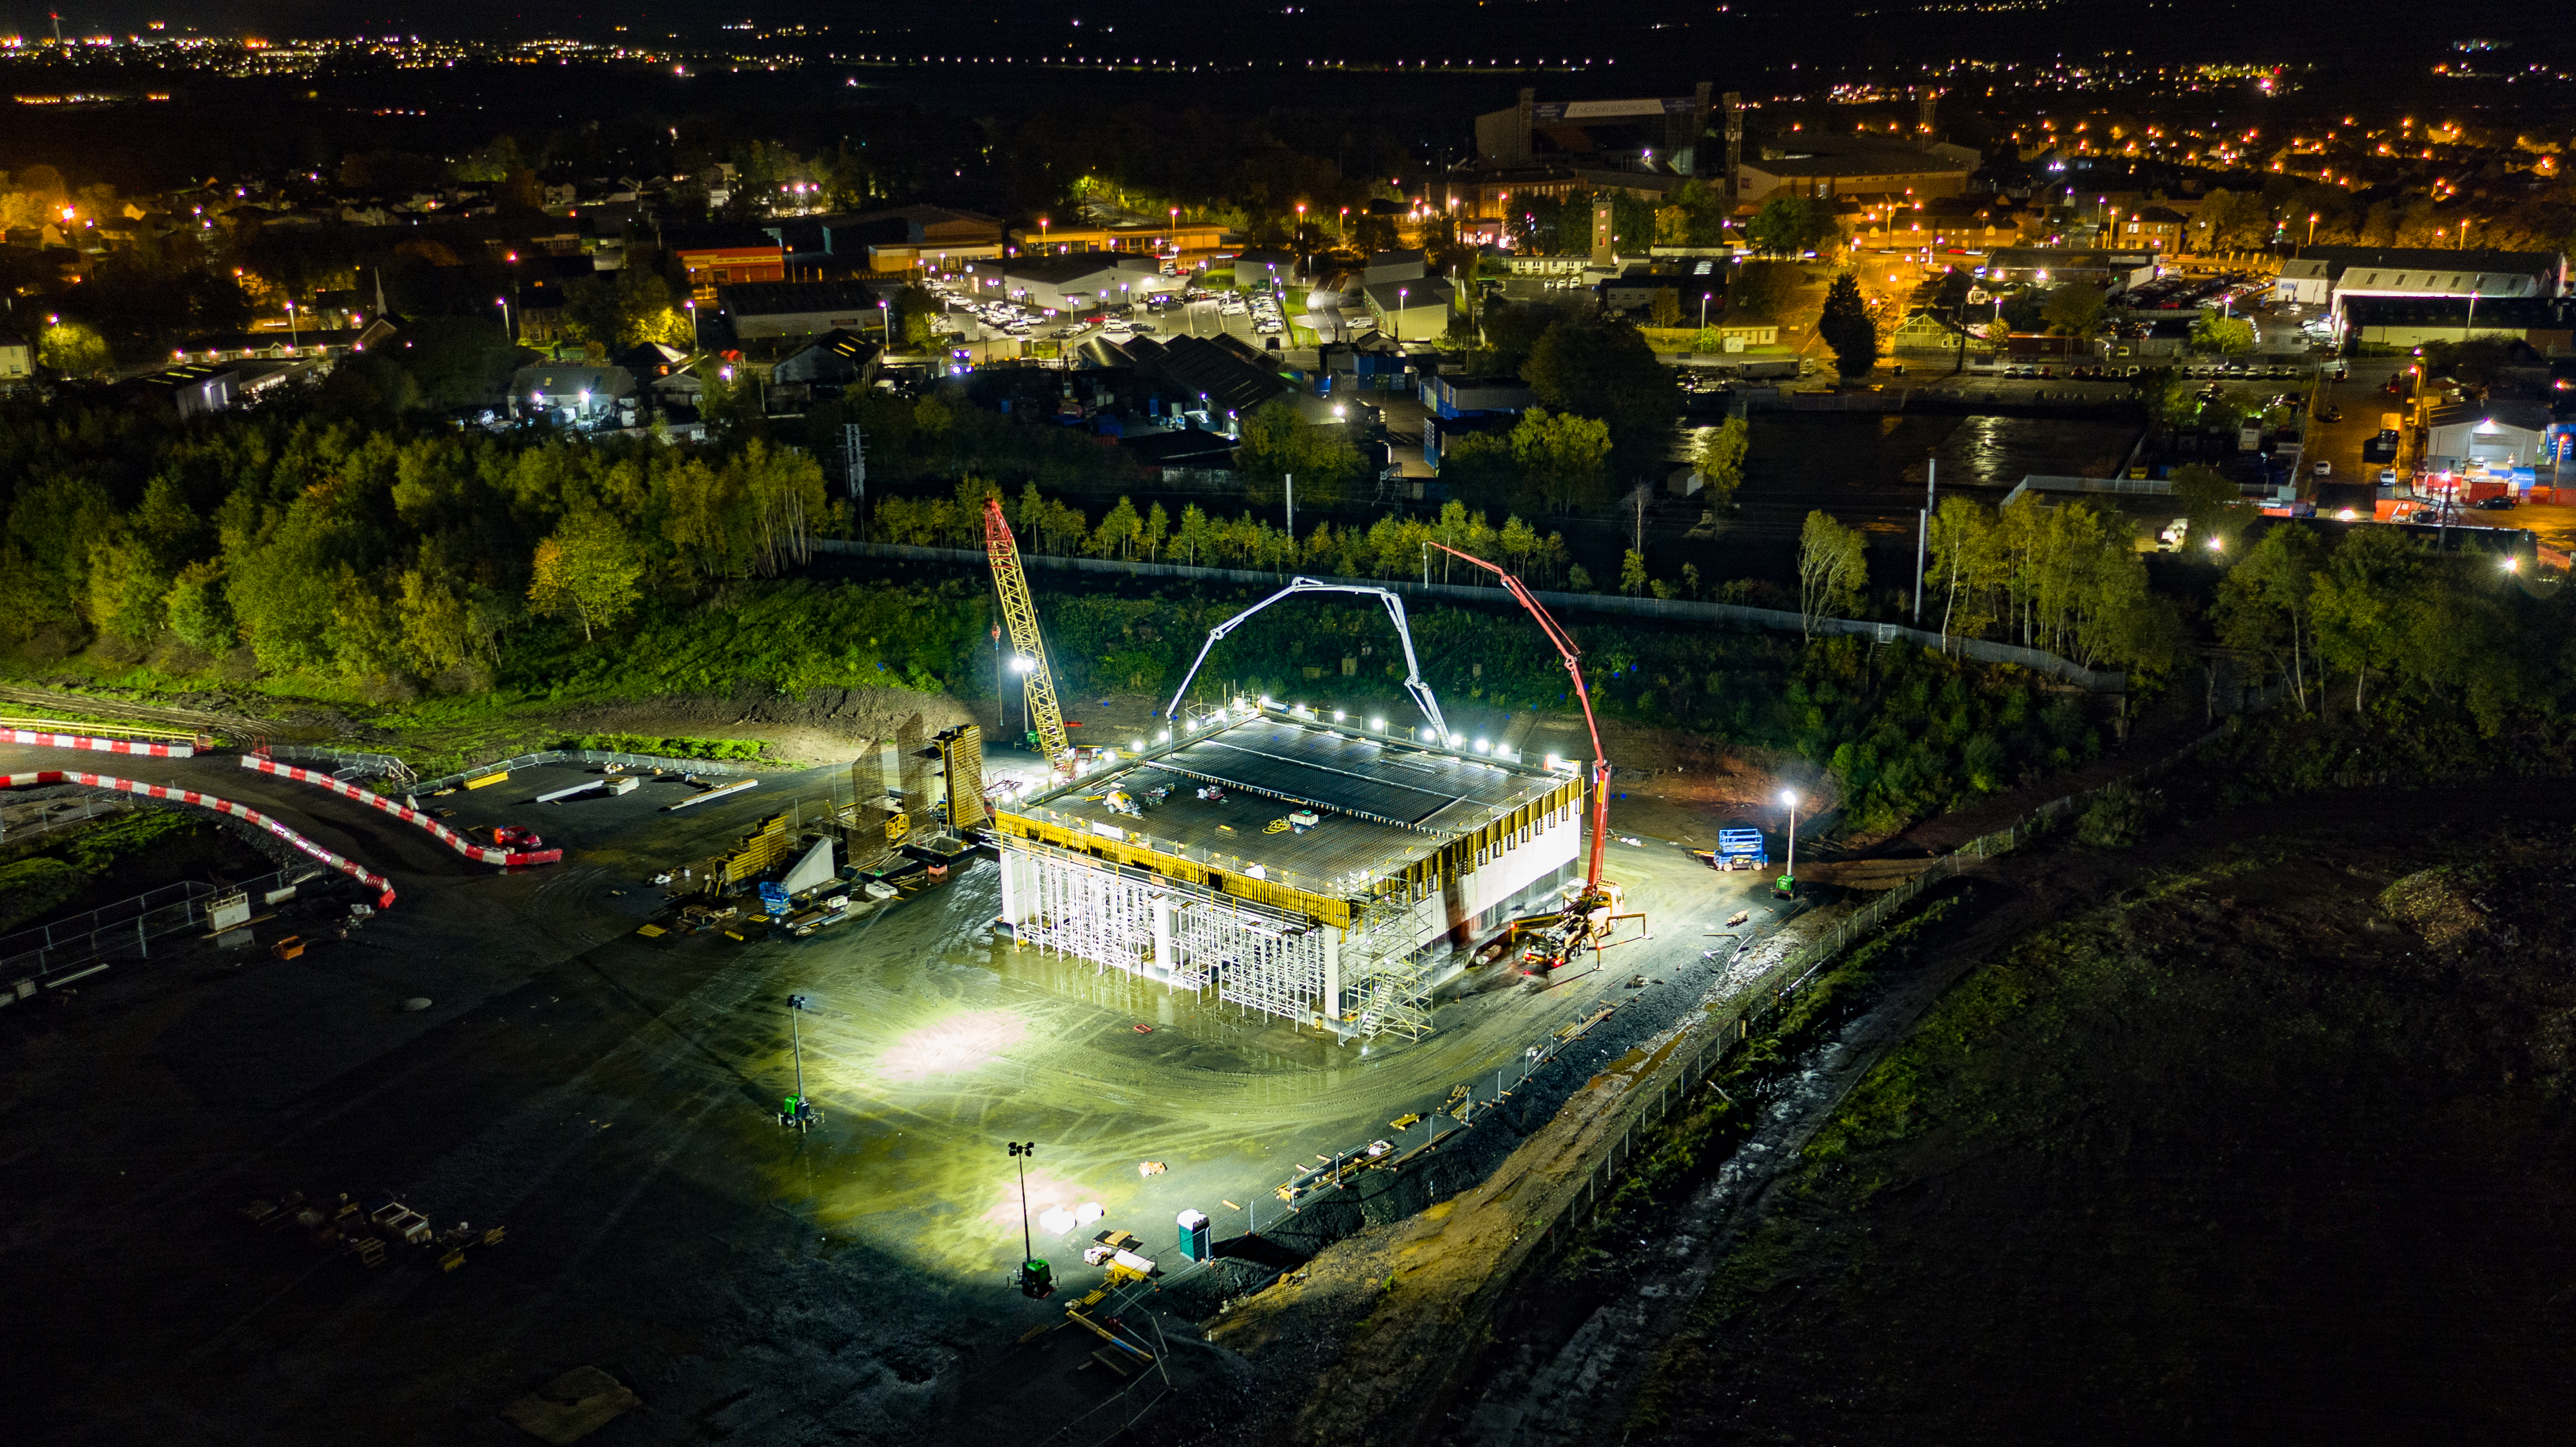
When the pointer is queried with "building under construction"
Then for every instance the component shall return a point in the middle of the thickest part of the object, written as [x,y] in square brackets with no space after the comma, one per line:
[1290,863]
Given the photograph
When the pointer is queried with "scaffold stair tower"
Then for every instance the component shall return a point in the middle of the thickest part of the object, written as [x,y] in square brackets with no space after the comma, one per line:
[1390,989]
[1028,648]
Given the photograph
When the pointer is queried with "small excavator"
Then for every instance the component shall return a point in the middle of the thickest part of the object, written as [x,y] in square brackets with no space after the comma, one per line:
[1588,916]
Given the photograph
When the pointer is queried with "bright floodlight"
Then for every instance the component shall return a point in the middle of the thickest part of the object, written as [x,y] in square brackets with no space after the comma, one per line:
[1427,736]
[1480,746]
[1024,664]
[2513,565]
[1378,724]
[1789,797]
[1164,737]
[1135,746]
[2217,544]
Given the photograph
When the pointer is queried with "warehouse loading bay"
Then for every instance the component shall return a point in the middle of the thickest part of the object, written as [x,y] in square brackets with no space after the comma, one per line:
[610,1098]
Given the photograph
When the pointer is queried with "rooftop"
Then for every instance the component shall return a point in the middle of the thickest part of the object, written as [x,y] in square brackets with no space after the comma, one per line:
[1383,802]
[791,298]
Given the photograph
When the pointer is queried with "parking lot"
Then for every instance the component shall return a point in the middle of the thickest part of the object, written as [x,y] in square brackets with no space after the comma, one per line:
[1257,315]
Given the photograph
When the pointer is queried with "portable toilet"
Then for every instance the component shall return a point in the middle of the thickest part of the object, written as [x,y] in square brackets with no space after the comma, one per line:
[1194,1236]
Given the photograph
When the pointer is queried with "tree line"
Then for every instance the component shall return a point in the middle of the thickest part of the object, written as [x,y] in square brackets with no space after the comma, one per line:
[366,559]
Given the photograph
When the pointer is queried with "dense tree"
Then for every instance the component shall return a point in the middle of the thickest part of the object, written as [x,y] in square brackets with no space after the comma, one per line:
[1847,327]
[73,350]
[1792,225]
[1833,570]
[1563,459]
[2075,308]
[1599,367]
[2213,332]
[1278,443]
[587,569]
[1720,459]
[2264,605]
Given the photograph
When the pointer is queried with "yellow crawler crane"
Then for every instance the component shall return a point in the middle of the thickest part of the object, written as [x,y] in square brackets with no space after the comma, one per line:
[1028,649]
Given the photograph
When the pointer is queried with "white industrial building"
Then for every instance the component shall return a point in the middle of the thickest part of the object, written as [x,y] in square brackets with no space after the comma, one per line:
[1293,863]
[2327,275]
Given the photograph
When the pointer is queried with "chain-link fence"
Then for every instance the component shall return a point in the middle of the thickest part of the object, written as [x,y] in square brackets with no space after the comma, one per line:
[580,756]
[345,764]
[43,816]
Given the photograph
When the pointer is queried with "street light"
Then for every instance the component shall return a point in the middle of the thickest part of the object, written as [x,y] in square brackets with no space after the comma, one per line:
[796,1110]
[1787,884]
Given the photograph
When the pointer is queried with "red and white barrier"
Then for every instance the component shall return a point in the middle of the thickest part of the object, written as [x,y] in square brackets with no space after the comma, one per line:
[383,805]
[104,746]
[350,867]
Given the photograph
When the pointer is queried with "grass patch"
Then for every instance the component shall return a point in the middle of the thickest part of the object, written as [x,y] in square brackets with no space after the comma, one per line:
[83,866]
[669,748]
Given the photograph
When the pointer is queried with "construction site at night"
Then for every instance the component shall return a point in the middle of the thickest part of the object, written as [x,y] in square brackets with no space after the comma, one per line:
[1304,866]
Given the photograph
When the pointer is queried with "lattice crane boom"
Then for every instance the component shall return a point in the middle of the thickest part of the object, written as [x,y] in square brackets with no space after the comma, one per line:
[1020,619]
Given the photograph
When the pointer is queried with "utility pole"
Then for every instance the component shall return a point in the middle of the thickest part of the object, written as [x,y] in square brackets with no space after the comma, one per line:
[1291,480]
[1734,148]
[854,453]
[1923,536]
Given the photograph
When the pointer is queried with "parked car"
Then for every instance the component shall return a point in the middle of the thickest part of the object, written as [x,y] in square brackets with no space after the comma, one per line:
[2498,503]
[2325,469]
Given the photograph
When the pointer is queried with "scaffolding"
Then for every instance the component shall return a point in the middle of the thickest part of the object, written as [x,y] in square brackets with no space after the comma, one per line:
[1261,961]
[1163,930]
[1389,976]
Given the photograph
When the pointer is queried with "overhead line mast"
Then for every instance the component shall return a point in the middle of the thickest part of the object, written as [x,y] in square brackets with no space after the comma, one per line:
[1028,648]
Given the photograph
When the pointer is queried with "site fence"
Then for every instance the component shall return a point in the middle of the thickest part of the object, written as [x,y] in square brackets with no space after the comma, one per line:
[43,816]
[346,764]
[1674,609]
[579,756]
[56,954]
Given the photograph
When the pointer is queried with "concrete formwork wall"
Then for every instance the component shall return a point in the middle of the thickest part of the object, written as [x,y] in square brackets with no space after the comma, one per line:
[1457,909]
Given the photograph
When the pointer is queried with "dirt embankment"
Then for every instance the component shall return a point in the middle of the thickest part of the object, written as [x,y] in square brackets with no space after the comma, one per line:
[824,726]
[1399,1332]
[2273,1148]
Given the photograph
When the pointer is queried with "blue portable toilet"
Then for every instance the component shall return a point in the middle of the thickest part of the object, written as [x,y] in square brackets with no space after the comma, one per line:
[1194,1235]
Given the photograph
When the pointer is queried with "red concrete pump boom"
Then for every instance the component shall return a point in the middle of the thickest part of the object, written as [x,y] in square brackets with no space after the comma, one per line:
[1573,657]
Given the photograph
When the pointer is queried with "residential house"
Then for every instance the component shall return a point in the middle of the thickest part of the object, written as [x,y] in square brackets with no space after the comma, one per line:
[575,394]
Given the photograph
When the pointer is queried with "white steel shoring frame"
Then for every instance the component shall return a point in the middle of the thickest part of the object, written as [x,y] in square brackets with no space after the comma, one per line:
[1413,683]
[1259,961]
